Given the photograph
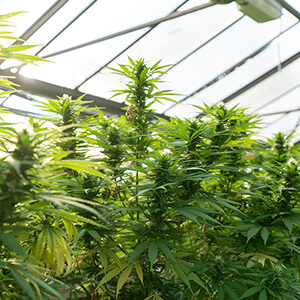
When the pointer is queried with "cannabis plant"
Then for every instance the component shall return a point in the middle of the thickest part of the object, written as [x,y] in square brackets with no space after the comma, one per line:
[182,208]
[140,207]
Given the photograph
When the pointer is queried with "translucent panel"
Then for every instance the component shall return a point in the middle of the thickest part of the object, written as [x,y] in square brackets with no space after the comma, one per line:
[32,11]
[183,110]
[229,48]
[14,118]
[165,105]
[252,69]
[108,17]
[70,69]
[289,43]
[18,102]
[266,121]
[198,99]
[105,85]
[174,39]
[289,100]
[270,88]
[169,41]
[294,3]
[59,20]
[285,124]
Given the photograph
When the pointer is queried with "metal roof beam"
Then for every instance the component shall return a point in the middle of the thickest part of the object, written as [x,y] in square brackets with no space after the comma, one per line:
[280,112]
[233,68]
[39,22]
[47,90]
[261,78]
[289,8]
[138,27]
[125,49]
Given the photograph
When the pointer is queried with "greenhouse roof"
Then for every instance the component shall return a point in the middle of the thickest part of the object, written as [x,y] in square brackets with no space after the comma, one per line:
[215,53]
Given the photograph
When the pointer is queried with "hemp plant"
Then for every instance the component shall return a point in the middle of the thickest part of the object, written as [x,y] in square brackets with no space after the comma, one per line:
[141,207]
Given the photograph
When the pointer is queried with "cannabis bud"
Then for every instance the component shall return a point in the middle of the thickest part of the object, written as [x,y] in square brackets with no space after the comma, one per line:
[129,113]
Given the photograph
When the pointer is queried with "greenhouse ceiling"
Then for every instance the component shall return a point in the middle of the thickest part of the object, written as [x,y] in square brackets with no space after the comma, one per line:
[215,52]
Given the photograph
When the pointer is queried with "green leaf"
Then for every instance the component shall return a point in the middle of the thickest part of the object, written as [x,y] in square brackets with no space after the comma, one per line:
[197,211]
[139,249]
[152,252]
[59,200]
[231,293]
[251,292]
[82,167]
[221,293]
[22,282]
[252,232]
[288,225]
[123,277]
[103,259]
[181,274]
[45,286]
[111,274]
[263,295]
[11,242]
[93,233]
[69,215]
[139,271]
[166,251]
[188,215]
[114,257]
[264,234]
[196,279]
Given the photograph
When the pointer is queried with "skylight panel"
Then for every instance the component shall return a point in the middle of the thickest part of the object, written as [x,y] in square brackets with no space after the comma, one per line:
[109,17]
[32,11]
[172,40]
[270,88]
[70,69]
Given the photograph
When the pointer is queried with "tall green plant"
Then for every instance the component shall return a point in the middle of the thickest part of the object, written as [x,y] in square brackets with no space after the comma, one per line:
[139,207]
[194,209]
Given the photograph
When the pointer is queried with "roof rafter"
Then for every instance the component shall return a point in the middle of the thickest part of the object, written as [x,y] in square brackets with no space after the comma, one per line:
[135,28]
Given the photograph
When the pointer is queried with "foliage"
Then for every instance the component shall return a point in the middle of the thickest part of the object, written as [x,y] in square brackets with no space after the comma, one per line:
[138,207]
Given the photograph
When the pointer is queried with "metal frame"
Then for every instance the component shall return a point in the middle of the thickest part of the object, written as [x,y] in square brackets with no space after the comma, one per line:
[289,8]
[261,78]
[205,43]
[39,22]
[125,49]
[233,68]
[257,80]
[48,90]
[135,28]
[277,98]
[113,108]
[280,112]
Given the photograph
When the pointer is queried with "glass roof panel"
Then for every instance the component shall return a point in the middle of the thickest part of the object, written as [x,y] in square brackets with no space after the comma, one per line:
[26,105]
[223,52]
[177,42]
[183,110]
[31,10]
[192,3]
[290,100]
[294,3]
[172,40]
[270,88]
[253,68]
[107,17]
[70,69]
[58,21]
[285,124]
